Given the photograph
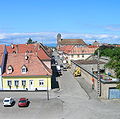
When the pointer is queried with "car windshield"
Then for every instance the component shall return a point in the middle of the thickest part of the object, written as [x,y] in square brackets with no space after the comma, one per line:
[6,100]
[22,101]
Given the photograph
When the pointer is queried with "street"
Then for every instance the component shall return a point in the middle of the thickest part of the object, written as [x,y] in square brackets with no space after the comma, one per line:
[39,106]
[77,103]
[81,102]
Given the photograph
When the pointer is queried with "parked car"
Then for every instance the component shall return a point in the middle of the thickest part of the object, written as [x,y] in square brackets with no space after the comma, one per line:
[61,66]
[59,69]
[56,63]
[23,102]
[8,101]
[64,68]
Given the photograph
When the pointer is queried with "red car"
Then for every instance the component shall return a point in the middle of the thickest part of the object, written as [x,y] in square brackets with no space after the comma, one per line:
[23,102]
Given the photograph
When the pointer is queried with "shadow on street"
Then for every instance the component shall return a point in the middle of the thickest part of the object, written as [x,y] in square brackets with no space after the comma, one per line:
[54,82]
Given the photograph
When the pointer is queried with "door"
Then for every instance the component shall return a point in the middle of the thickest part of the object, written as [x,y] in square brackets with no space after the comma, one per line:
[31,85]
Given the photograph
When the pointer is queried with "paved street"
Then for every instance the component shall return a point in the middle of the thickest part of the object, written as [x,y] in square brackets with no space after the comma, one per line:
[80,101]
[77,104]
[39,107]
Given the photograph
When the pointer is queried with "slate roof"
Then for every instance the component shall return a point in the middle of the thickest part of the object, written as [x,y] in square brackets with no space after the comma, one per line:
[34,65]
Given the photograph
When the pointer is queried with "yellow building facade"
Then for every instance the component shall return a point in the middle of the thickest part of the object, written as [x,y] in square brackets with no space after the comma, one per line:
[27,83]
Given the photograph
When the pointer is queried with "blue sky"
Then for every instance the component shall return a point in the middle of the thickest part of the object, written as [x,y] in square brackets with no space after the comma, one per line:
[43,19]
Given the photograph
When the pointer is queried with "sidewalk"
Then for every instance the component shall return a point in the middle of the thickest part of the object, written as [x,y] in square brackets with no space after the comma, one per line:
[88,89]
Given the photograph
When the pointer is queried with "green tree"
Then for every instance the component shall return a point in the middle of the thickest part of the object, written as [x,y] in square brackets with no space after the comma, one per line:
[30,41]
[114,54]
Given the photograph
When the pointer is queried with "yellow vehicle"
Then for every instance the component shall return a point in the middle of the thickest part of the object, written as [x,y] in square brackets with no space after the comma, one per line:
[77,72]
[68,66]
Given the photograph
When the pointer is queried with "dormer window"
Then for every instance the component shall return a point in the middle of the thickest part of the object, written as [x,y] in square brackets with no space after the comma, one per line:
[10,69]
[82,51]
[27,51]
[14,52]
[24,69]
[26,57]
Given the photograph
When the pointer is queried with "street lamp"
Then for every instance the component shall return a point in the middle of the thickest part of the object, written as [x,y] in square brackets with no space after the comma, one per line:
[98,76]
[47,88]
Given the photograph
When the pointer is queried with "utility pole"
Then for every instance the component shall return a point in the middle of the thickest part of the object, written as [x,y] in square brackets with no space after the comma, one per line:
[98,76]
[47,89]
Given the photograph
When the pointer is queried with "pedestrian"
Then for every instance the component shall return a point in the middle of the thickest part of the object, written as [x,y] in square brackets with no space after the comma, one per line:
[92,83]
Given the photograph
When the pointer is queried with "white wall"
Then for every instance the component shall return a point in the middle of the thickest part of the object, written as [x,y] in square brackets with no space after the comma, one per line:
[75,57]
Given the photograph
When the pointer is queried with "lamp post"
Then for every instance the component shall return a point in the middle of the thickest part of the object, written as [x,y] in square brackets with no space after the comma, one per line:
[47,89]
[98,76]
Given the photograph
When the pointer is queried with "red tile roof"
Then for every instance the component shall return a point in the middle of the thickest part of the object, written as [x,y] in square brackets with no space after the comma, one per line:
[81,50]
[72,42]
[66,48]
[1,56]
[33,64]
[32,48]
[93,46]
[2,47]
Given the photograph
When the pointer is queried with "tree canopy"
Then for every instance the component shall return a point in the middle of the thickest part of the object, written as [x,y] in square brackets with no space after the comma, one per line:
[114,54]
[30,41]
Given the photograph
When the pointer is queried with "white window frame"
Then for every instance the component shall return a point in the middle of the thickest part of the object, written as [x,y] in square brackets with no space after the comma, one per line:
[23,82]
[41,82]
[24,69]
[10,69]
[16,82]
[9,82]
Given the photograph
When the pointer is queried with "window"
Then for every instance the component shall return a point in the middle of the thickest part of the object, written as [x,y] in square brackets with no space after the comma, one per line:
[10,69]
[27,51]
[14,52]
[41,82]
[72,56]
[9,83]
[23,82]
[16,83]
[24,69]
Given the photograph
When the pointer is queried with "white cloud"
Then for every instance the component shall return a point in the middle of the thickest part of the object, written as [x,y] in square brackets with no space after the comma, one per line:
[50,37]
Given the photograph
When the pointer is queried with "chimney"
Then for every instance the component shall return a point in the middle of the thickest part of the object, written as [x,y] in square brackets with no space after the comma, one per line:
[26,56]
[16,48]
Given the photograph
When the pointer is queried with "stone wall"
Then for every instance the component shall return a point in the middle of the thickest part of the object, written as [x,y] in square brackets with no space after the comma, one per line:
[88,75]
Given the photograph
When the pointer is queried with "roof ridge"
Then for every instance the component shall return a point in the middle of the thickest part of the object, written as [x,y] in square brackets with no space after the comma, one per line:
[44,49]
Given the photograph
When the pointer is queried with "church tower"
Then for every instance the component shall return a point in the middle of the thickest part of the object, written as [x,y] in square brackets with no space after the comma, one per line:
[58,38]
